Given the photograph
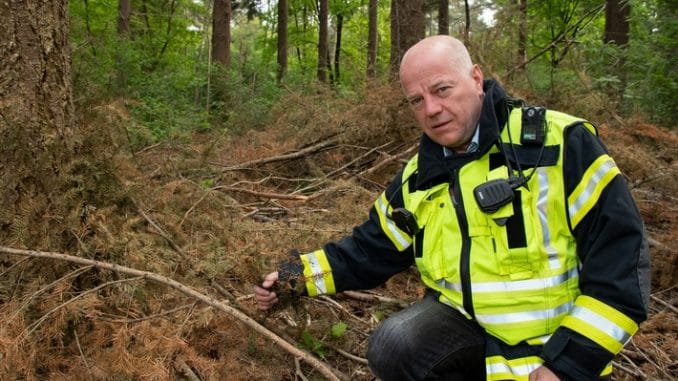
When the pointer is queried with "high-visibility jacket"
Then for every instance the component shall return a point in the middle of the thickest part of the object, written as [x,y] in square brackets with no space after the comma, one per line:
[557,275]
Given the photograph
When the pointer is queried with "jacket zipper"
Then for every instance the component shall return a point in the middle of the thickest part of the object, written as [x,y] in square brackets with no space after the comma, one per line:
[464,258]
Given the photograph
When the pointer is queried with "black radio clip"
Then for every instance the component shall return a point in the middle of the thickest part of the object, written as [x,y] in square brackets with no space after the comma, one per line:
[533,129]
[494,194]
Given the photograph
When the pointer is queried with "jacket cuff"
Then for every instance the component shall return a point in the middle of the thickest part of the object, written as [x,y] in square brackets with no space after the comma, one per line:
[573,357]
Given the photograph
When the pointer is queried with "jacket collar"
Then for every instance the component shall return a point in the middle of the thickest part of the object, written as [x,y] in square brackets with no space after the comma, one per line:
[434,168]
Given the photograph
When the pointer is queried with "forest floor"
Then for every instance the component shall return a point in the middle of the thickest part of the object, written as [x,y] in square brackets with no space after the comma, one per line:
[216,212]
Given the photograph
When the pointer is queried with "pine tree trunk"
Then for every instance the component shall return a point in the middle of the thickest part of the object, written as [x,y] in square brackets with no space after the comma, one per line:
[408,26]
[444,17]
[337,47]
[617,22]
[123,17]
[221,32]
[282,40]
[36,105]
[323,51]
[372,40]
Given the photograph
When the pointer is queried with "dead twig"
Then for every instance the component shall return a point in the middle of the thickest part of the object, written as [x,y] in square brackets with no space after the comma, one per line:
[34,295]
[44,317]
[263,194]
[82,354]
[373,298]
[298,372]
[649,360]
[389,159]
[633,372]
[149,317]
[665,304]
[324,369]
[160,230]
[350,356]
[293,155]
[181,366]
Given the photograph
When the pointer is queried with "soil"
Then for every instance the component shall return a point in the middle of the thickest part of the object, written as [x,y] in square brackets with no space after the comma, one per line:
[228,216]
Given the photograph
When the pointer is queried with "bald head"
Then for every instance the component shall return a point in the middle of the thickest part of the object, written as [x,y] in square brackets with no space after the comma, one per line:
[448,48]
[444,90]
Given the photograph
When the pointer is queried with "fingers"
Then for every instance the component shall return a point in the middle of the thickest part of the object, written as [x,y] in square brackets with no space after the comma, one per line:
[269,280]
[264,297]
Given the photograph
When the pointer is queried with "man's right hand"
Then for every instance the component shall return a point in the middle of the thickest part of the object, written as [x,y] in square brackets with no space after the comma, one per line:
[263,295]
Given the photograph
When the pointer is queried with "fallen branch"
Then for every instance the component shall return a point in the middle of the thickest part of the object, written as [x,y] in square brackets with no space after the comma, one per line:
[665,304]
[390,159]
[160,230]
[324,369]
[357,295]
[263,194]
[181,366]
[293,155]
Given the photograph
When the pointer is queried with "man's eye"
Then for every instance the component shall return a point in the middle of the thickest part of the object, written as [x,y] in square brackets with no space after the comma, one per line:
[443,90]
[414,102]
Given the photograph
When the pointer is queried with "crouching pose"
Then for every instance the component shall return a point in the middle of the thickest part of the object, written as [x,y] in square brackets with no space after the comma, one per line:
[520,224]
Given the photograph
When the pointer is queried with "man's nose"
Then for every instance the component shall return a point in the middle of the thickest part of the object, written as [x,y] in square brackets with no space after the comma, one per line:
[432,106]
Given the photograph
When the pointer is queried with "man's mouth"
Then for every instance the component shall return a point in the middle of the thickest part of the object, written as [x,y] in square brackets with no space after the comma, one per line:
[438,125]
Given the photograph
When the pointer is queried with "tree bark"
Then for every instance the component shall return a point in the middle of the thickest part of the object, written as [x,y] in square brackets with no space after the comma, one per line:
[337,46]
[282,40]
[323,51]
[444,17]
[467,24]
[123,17]
[221,32]
[408,26]
[372,40]
[617,14]
[36,104]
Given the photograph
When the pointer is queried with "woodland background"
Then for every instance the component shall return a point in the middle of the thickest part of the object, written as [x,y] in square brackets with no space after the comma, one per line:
[159,156]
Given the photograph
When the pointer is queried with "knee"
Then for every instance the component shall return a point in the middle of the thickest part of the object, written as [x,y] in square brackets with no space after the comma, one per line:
[391,348]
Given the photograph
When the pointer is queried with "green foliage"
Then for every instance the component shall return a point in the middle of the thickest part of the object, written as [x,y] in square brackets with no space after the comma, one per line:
[162,69]
[312,344]
[652,65]
[338,329]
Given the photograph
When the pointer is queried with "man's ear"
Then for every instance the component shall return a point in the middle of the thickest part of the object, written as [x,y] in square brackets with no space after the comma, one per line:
[477,76]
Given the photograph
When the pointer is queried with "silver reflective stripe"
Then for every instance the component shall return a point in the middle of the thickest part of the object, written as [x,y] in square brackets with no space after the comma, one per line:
[518,317]
[391,226]
[443,299]
[514,286]
[449,285]
[542,209]
[541,339]
[590,187]
[517,370]
[318,278]
[601,323]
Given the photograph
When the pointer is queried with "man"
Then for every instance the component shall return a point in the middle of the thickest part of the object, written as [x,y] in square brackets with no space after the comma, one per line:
[520,224]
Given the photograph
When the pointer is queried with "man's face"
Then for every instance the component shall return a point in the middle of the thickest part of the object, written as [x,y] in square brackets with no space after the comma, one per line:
[446,103]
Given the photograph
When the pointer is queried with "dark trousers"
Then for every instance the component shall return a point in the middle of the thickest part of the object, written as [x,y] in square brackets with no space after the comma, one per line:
[427,341]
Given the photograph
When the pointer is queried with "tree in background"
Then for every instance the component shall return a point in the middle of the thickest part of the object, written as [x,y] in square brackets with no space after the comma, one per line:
[282,40]
[36,111]
[444,17]
[617,25]
[221,32]
[467,23]
[123,17]
[372,39]
[323,49]
[408,25]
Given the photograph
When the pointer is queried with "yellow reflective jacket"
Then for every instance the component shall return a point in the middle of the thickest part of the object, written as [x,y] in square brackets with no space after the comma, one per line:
[557,275]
